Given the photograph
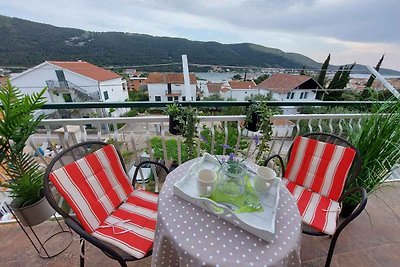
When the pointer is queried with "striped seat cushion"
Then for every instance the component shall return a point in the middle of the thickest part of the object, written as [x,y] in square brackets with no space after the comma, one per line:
[94,186]
[319,166]
[131,227]
[316,210]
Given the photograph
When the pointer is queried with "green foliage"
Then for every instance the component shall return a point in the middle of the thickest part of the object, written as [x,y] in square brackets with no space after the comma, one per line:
[372,77]
[339,81]
[190,130]
[138,96]
[174,110]
[378,141]
[261,78]
[219,135]
[265,114]
[237,77]
[18,123]
[213,97]
[322,73]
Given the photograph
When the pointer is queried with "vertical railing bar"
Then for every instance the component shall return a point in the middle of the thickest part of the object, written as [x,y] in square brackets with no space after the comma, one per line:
[212,138]
[83,133]
[297,127]
[284,138]
[310,125]
[198,139]
[239,129]
[273,143]
[320,125]
[340,127]
[48,137]
[179,147]
[359,123]
[330,126]
[226,137]
[351,125]
[98,131]
[115,135]
[149,148]
[163,143]
[66,135]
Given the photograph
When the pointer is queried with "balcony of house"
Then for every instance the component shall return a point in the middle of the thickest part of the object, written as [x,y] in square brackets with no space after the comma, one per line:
[372,239]
[173,92]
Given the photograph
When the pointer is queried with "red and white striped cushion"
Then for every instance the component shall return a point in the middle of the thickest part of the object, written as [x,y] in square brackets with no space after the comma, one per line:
[93,186]
[131,227]
[319,166]
[316,210]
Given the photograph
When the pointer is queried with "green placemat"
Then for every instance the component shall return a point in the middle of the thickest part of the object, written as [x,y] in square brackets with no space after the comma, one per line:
[248,202]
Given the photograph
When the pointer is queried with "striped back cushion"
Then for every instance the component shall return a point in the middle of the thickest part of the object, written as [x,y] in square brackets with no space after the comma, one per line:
[93,186]
[319,166]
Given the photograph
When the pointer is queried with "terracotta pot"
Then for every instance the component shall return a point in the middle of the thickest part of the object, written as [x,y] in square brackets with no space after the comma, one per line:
[34,214]
[174,126]
[253,124]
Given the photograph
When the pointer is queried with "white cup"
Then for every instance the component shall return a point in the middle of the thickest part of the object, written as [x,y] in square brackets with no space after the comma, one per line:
[264,178]
[206,180]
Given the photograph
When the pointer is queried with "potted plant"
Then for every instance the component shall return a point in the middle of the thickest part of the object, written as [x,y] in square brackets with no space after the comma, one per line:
[189,129]
[176,120]
[252,122]
[25,177]
[378,141]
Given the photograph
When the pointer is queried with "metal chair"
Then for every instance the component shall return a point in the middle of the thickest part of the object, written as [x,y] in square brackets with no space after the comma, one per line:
[320,167]
[87,184]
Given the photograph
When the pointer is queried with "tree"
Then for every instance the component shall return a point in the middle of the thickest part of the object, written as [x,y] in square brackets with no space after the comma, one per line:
[213,97]
[322,73]
[372,78]
[261,78]
[367,92]
[237,77]
[335,78]
[345,77]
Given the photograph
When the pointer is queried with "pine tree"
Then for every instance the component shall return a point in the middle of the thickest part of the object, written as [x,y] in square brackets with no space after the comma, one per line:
[372,78]
[336,78]
[345,77]
[322,73]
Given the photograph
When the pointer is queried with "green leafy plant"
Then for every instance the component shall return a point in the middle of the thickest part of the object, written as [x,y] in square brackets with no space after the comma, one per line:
[378,141]
[265,114]
[189,120]
[18,122]
[176,118]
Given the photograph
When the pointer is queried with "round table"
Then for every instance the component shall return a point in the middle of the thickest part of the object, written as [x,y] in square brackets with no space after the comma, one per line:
[187,235]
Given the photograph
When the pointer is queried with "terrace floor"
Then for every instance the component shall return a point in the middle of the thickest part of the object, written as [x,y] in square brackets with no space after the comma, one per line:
[373,239]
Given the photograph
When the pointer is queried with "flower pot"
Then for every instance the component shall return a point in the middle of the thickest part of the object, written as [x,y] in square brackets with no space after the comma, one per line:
[34,214]
[253,124]
[174,126]
[347,210]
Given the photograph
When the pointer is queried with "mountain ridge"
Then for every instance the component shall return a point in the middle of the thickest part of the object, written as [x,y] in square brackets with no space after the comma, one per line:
[27,43]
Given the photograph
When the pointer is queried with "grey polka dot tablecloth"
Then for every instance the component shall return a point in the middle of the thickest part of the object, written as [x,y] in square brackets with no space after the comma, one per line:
[187,235]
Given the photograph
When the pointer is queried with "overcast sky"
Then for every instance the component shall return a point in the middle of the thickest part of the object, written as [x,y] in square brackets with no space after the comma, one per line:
[355,30]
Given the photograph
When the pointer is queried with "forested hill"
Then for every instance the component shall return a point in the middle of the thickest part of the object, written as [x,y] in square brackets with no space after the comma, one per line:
[27,43]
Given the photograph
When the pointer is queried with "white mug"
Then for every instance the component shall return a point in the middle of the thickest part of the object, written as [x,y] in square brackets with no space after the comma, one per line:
[206,180]
[264,178]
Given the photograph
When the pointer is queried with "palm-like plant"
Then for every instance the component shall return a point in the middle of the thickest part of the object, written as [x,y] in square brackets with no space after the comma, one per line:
[379,144]
[17,124]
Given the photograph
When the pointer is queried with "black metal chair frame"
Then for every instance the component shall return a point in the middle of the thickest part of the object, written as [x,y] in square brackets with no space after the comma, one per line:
[354,170]
[74,224]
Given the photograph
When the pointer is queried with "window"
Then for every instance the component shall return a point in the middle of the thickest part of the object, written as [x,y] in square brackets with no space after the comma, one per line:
[157,98]
[288,95]
[176,98]
[292,95]
[170,98]
[301,95]
[169,87]
[183,98]
[105,93]
[61,78]
[67,98]
[305,95]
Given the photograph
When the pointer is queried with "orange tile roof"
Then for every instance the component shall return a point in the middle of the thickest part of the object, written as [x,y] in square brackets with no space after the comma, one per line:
[214,87]
[283,83]
[242,85]
[3,80]
[86,69]
[158,77]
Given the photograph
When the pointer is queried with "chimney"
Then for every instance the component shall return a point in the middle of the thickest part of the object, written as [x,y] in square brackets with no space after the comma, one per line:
[186,79]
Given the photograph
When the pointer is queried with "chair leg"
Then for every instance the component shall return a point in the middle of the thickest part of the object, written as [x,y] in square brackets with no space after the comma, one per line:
[82,253]
[331,248]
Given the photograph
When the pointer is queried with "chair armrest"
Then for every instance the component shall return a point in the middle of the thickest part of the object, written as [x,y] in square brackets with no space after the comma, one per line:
[94,241]
[143,163]
[280,162]
[358,210]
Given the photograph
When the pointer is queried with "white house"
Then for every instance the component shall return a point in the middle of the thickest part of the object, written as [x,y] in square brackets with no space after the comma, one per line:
[287,87]
[220,89]
[72,81]
[242,90]
[170,87]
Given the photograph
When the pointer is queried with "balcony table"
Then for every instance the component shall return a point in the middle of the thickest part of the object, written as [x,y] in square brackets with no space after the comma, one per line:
[187,235]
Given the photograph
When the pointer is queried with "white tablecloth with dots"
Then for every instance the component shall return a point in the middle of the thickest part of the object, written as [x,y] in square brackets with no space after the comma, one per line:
[187,235]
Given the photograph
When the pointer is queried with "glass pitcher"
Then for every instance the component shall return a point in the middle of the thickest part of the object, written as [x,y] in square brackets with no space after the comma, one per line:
[231,178]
